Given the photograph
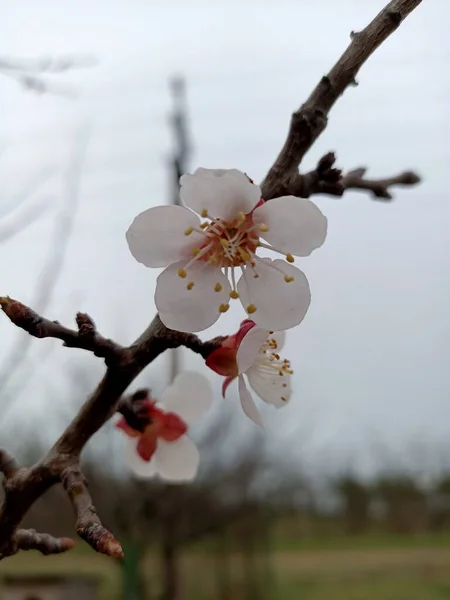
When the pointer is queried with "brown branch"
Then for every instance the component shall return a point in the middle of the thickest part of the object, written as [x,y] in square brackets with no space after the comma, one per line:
[88,524]
[326,179]
[23,486]
[29,539]
[310,120]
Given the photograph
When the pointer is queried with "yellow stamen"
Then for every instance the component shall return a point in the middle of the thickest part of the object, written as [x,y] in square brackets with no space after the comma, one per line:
[182,273]
[195,251]
[241,216]
[223,308]
[289,258]
[244,255]
[217,287]
[234,294]
[188,231]
[224,243]
[204,225]
[251,308]
[263,227]
[190,285]
[204,213]
[213,259]
[288,278]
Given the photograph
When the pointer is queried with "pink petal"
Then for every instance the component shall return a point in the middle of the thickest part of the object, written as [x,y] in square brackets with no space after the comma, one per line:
[157,237]
[141,468]
[223,361]
[193,309]
[225,384]
[250,347]
[189,396]
[223,193]
[248,405]
[279,304]
[296,225]
[177,461]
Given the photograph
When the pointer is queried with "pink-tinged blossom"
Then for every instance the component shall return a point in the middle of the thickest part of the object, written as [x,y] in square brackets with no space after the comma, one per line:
[201,257]
[252,354]
[164,448]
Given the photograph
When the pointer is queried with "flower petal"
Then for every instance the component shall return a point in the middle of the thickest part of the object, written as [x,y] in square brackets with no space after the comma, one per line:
[146,447]
[177,461]
[140,467]
[270,386]
[191,308]
[296,225]
[225,384]
[123,425]
[223,361]
[223,193]
[189,396]
[248,404]
[157,237]
[249,348]
[279,304]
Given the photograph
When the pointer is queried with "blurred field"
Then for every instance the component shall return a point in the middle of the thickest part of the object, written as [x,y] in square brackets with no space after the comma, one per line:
[351,568]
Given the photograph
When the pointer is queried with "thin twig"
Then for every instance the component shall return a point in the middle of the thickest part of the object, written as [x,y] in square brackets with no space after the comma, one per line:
[310,120]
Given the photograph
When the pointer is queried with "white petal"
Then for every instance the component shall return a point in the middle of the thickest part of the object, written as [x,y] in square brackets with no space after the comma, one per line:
[193,309]
[141,468]
[177,461]
[248,404]
[189,396]
[296,225]
[156,237]
[279,305]
[269,385]
[249,348]
[222,193]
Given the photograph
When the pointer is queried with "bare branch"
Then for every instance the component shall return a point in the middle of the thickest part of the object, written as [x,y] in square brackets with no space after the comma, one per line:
[85,338]
[310,120]
[325,179]
[29,539]
[88,524]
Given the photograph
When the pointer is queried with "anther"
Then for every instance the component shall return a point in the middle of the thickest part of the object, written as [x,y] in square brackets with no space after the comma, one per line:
[204,213]
[182,273]
[190,285]
[224,243]
[195,251]
[204,225]
[251,308]
[188,231]
[223,308]
[263,227]
[241,216]
[289,258]
[217,287]
[234,294]
[288,278]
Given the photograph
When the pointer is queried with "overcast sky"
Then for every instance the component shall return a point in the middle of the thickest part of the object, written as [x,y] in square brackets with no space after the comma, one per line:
[371,358]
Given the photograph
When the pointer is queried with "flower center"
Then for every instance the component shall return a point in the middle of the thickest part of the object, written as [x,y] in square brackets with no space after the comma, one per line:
[228,243]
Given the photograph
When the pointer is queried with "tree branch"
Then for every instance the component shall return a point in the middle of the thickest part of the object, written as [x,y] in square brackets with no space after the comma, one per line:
[310,120]
[325,179]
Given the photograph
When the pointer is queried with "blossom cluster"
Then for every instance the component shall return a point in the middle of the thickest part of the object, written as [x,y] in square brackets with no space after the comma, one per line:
[210,249]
